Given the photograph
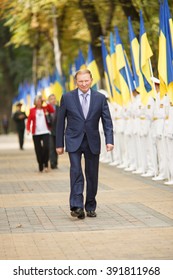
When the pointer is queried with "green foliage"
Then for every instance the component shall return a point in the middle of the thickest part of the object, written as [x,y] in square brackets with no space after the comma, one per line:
[21,66]
[31,27]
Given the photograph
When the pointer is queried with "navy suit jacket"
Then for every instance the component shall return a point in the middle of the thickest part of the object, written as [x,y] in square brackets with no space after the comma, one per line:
[72,124]
[54,120]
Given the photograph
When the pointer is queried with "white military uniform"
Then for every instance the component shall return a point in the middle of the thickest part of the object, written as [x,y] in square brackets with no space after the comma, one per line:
[128,137]
[120,126]
[168,132]
[158,121]
[116,152]
[136,112]
[146,139]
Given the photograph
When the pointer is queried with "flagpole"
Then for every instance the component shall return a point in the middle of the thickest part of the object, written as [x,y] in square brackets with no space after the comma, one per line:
[154,160]
[128,80]
[151,70]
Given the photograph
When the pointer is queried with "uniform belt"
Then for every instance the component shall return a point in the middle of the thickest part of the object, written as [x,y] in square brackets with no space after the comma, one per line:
[142,118]
[167,117]
[154,119]
[117,118]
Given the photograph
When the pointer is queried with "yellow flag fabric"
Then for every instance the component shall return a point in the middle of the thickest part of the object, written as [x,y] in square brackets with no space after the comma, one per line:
[145,53]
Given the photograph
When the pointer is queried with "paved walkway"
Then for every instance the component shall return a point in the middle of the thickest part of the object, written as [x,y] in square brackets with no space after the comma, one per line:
[135,214]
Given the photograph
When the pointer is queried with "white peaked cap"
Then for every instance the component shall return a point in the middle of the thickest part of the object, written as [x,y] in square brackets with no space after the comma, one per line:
[103,91]
[155,80]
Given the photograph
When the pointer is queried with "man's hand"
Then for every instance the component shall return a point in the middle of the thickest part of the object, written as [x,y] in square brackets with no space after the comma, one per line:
[60,151]
[109,147]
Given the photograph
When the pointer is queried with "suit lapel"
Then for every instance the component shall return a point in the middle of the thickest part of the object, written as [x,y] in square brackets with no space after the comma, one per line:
[92,97]
[78,105]
[77,101]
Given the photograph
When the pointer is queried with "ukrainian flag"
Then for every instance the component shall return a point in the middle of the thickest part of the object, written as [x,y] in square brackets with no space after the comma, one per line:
[117,97]
[56,85]
[80,61]
[170,19]
[165,61]
[71,78]
[92,66]
[28,98]
[32,92]
[107,68]
[122,68]
[145,53]
[44,85]
[134,52]
[129,73]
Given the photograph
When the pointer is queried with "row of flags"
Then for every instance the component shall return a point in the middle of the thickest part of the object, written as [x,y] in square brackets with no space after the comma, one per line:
[122,76]
[45,86]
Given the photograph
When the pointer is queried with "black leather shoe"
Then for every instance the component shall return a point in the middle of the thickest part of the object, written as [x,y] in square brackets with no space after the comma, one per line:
[79,213]
[54,167]
[40,167]
[91,214]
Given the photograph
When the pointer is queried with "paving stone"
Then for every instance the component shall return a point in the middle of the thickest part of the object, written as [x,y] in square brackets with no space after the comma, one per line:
[134,214]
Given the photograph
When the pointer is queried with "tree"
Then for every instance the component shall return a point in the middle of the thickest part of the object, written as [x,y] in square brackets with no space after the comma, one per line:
[38,25]
[10,60]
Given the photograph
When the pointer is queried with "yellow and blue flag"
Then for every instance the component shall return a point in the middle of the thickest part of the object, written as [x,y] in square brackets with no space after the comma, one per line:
[145,53]
[117,97]
[134,53]
[92,66]
[107,67]
[71,77]
[56,85]
[165,61]
[80,62]
[124,77]
[32,93]
[169,18]
[43,87]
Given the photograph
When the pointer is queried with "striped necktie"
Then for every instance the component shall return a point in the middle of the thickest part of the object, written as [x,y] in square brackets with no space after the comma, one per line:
[85,104]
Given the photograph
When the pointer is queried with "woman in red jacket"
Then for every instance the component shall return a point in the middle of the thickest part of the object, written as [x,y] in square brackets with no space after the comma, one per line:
[37,124]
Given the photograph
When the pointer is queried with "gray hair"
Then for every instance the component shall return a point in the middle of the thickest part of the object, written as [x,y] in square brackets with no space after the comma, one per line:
[38,97]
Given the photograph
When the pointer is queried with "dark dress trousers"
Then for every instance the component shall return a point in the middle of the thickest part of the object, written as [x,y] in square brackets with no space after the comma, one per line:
[82,137]
[52,143]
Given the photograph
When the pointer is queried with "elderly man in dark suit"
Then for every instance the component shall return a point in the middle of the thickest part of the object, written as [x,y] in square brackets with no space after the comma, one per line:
[79,115]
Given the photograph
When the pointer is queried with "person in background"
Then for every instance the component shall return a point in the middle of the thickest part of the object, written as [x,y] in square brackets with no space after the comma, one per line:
[78,120]
[168,138]
[53,156]
[19,117]
[40,131]
[147,151]
[158,134]
[5,123]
